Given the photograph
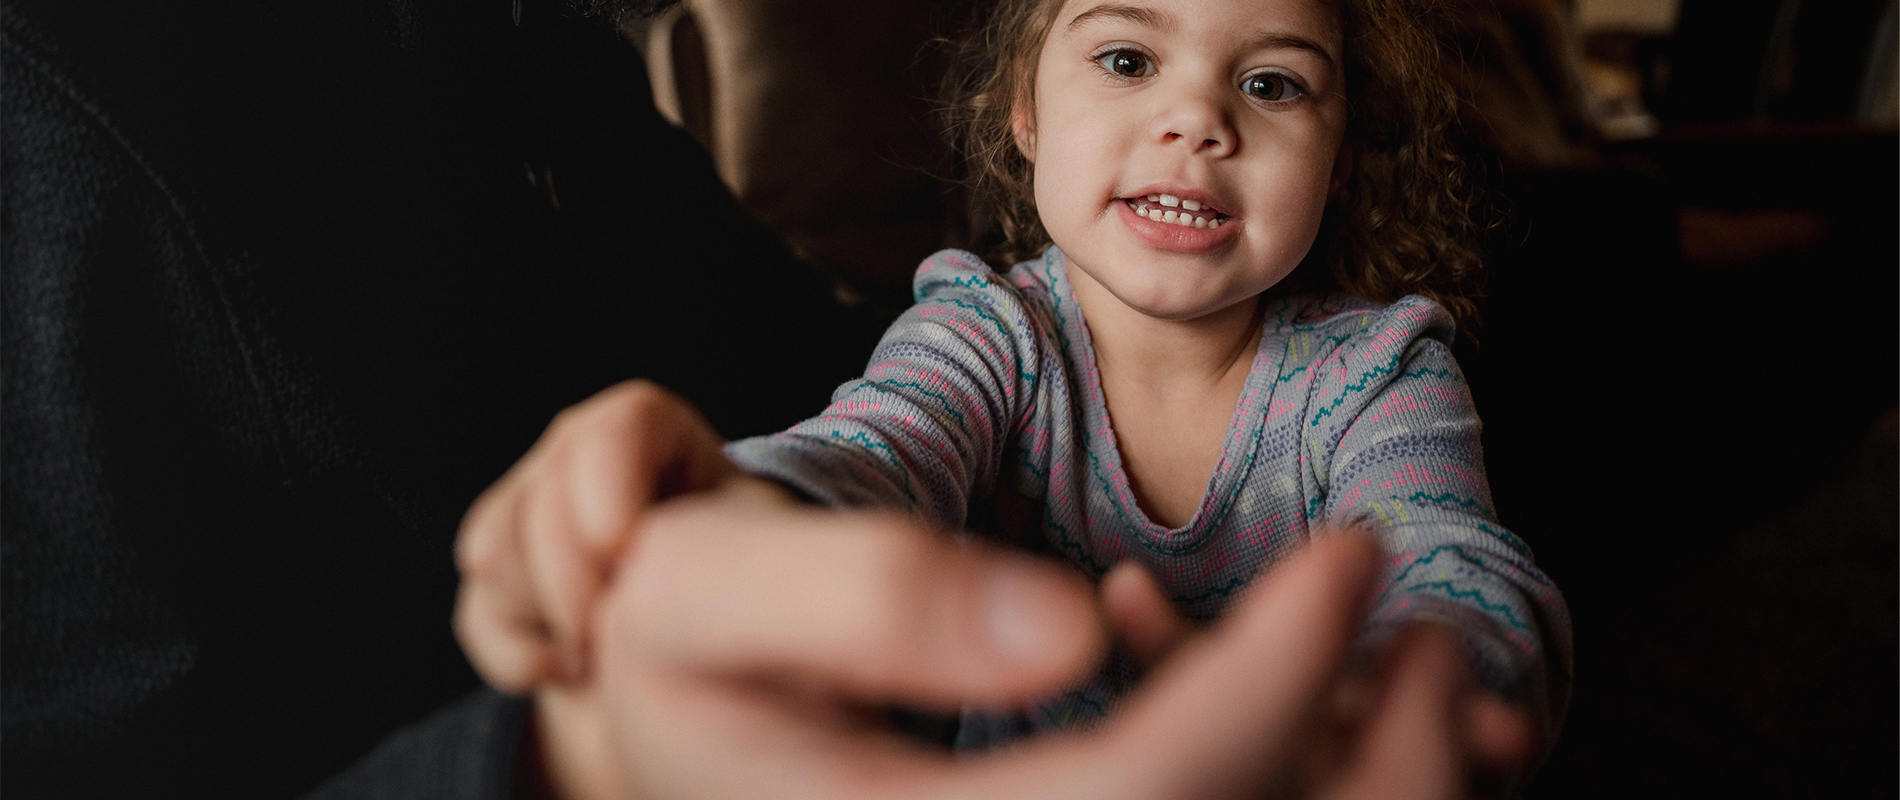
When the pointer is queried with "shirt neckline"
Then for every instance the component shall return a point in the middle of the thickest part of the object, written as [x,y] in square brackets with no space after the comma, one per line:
[1102,448]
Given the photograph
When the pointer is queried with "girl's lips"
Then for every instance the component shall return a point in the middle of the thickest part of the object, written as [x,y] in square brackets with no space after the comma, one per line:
[1174,237]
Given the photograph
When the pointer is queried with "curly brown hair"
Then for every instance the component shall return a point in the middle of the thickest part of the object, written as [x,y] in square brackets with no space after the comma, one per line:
[1407,221]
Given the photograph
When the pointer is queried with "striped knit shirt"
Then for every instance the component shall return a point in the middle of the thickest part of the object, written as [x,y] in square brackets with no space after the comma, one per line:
[982,409]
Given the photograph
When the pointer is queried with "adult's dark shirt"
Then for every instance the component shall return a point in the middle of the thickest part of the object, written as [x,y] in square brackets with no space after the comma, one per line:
[285,285]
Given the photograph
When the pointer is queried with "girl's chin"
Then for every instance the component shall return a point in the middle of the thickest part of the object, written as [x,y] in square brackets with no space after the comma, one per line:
[1171,306]
[1164,286]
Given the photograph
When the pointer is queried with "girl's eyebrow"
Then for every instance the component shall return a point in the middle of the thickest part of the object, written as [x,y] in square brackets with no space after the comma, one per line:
[1159,20]
[1162,21]
[1288,41]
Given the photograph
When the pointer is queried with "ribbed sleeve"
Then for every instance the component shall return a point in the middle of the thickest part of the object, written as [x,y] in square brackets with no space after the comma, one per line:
[1393,442]
[925,428]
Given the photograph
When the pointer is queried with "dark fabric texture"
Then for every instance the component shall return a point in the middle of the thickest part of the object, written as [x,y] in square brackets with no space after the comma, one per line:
[285,286]
[466,751]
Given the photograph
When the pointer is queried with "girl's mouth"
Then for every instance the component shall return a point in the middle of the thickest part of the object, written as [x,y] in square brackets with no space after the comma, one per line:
[1167,208]
[1179,225]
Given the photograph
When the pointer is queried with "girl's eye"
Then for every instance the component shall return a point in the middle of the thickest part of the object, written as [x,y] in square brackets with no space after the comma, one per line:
[1270,87]
[1127,63]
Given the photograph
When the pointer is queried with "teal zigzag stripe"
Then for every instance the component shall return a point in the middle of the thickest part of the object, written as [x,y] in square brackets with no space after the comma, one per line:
[890,455]
[1428,372]
[1067,540]
[1029,463]
[1475,560]
[1432,555]
[941,399]
[1439,500]
[1001,327]
[1224,590]
[1474,596]
[971,282]
[1365,379]
[1522,547]
[1108,490]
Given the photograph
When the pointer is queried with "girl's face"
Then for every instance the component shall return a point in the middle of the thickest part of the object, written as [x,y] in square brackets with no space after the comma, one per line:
[1228,113]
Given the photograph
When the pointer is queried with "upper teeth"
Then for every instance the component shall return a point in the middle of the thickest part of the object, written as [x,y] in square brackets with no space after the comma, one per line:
[1174,202]
[1182,218]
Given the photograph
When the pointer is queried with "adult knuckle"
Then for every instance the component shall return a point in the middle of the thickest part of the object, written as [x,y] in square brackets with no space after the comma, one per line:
[901,565]
[647,583]
[462,621]
[542,518]
[627,398]
[482,644]
[478,548]
[607,403]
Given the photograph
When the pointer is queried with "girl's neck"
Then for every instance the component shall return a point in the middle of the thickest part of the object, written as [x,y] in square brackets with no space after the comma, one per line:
[1171,387]
[1206,351]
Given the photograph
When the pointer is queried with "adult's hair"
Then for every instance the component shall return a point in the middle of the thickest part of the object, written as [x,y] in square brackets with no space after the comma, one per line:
[1407,220]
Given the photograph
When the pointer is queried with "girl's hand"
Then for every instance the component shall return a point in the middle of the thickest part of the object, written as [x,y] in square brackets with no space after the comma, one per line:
[1424,694]
[537,548]
[1427,719]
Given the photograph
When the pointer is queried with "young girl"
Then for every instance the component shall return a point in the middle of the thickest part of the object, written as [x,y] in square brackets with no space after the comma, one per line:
[1152,386]
[1251,235]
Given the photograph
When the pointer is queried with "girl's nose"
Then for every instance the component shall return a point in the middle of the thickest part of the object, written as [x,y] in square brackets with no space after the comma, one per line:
[1200,122]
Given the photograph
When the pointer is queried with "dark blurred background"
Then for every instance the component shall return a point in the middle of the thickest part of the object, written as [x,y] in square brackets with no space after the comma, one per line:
[1688,360]
[286,284]
[1710,473]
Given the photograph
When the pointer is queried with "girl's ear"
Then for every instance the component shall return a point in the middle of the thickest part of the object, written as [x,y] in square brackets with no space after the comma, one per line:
[1342,170]
[1022,126]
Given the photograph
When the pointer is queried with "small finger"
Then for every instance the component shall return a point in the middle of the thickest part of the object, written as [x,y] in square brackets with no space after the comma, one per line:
[510,651]
[485,542]
[635,444]
[1411,746]
[1499,735]
[565,577]
[1229,714]
[498,501]
[1140,615]
[1296,623]
[495,618]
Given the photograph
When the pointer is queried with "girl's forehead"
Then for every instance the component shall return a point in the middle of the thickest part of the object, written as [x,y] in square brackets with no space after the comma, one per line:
[1316,18]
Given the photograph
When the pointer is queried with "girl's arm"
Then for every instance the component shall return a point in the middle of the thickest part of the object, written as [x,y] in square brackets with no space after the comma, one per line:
[919,432]
[1394,440]
[926,426]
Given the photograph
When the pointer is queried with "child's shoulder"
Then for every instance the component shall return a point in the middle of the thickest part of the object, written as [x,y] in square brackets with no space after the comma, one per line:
[950,270]
[955,291]
[1338,312]
[1330,323]
[962,274]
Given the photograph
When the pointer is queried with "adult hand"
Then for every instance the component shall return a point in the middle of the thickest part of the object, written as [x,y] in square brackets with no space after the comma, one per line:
[536,548]
[740,649]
